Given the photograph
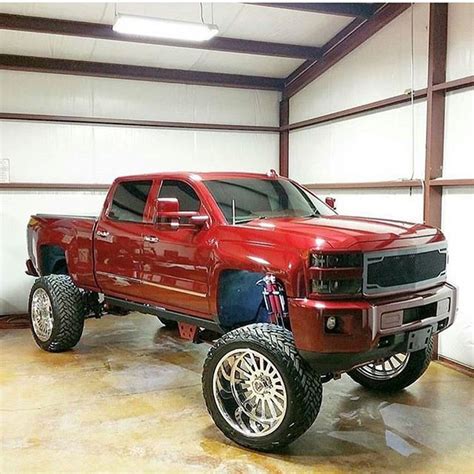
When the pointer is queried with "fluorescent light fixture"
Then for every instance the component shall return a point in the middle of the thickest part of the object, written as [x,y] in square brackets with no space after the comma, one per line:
[162,28]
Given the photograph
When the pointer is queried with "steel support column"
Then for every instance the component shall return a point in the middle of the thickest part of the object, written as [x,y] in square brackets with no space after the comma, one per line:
[437,52]
[284,137]
[438,33]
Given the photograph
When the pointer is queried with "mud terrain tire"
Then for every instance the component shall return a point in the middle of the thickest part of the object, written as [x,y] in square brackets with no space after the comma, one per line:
[56,309]
[416,366]
[274,346]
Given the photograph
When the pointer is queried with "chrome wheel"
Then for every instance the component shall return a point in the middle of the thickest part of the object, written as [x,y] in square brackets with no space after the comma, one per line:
[386,368]
[42,314]
[249,392]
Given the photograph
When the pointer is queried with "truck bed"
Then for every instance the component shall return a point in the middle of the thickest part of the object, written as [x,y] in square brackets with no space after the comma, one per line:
[62,243]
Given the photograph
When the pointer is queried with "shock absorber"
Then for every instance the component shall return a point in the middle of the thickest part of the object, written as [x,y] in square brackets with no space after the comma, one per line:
[274,299]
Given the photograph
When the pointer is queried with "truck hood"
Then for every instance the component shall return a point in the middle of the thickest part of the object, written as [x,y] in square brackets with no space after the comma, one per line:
[349,233]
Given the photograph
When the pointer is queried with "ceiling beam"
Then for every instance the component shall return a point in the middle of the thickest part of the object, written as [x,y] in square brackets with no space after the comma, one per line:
[105,32]
[371,26]
[364,10]
[139,73]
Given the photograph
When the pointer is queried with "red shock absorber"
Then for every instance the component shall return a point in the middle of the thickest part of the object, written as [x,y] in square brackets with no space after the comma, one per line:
[274,298]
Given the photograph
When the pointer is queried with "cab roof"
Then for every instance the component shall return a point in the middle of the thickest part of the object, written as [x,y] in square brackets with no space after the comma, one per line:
[198,176]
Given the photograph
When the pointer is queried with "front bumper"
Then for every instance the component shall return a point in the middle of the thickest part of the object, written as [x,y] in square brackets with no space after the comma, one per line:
[373,329]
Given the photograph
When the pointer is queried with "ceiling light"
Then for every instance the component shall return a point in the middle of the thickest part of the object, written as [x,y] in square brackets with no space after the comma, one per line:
[161,28]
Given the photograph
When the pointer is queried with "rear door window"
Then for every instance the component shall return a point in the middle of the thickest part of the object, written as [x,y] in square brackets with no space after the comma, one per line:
[129,201]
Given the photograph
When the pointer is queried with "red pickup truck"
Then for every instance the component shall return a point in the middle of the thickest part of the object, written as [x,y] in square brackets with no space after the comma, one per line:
[289,293]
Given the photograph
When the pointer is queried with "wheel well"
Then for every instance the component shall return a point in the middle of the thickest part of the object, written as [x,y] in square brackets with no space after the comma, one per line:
[239,299]
[53,260]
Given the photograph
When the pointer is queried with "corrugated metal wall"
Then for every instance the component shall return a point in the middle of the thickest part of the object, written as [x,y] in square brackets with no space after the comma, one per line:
[377,146]
[66,153]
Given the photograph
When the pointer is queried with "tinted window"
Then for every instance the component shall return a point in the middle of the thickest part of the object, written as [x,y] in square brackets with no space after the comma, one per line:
[129,201]
[183,192]
[260,198]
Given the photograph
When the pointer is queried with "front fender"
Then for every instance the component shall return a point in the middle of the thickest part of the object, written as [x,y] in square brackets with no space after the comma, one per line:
[285,263]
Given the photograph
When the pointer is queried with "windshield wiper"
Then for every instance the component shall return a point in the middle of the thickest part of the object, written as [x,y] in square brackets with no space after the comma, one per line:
[314,214]
[250,218]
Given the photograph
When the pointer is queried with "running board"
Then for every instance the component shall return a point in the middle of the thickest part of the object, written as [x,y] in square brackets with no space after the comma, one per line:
[166,314]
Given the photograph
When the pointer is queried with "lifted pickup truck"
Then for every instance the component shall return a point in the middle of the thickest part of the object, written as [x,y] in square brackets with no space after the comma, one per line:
[289,293]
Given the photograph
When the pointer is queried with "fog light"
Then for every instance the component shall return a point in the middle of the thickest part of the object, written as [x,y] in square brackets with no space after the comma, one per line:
[331,323]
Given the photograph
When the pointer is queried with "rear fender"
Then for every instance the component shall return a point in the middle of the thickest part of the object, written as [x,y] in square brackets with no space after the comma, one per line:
[53,260]
[71,239]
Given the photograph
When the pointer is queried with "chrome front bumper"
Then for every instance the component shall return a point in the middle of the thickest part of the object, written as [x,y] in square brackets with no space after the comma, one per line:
[387,318]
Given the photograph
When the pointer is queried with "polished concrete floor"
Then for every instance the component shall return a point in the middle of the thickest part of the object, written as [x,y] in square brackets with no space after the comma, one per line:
[128,398]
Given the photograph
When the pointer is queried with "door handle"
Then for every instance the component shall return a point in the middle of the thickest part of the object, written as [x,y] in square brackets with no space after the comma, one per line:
[102,233]
[151,239]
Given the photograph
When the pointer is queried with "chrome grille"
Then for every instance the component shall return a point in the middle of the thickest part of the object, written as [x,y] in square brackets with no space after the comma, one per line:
[407,269]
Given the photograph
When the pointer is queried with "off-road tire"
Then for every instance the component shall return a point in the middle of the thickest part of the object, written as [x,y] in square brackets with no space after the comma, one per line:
[303,385]
[415,368]
[168,323]
[68,312]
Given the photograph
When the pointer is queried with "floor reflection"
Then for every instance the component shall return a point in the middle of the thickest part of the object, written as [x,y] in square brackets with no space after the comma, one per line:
[128,399]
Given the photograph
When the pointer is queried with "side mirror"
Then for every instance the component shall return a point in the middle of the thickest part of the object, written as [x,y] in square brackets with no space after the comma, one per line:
[167,213]
[331,202]
[199,220]
[167,207]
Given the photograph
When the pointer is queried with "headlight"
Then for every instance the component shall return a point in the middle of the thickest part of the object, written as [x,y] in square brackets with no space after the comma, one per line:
[341,260]
[336,274]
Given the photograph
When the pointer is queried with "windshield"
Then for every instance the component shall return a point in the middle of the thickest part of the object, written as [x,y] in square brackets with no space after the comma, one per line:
[264,198]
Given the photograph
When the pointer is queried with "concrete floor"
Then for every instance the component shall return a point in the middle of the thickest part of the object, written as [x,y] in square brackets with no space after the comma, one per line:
[128,399]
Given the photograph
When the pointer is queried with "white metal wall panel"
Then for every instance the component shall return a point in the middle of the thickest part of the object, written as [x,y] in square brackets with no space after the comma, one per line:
[15,210]
[377,146]
[87,154]
[460,60]
[459,134]
[457,343]
[53,152]
[36,93]
[379,68]
[40,152]
[398,204]
[372,147]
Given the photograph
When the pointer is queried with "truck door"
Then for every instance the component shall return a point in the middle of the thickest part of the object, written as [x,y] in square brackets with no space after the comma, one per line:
[118,240]
[176,261]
